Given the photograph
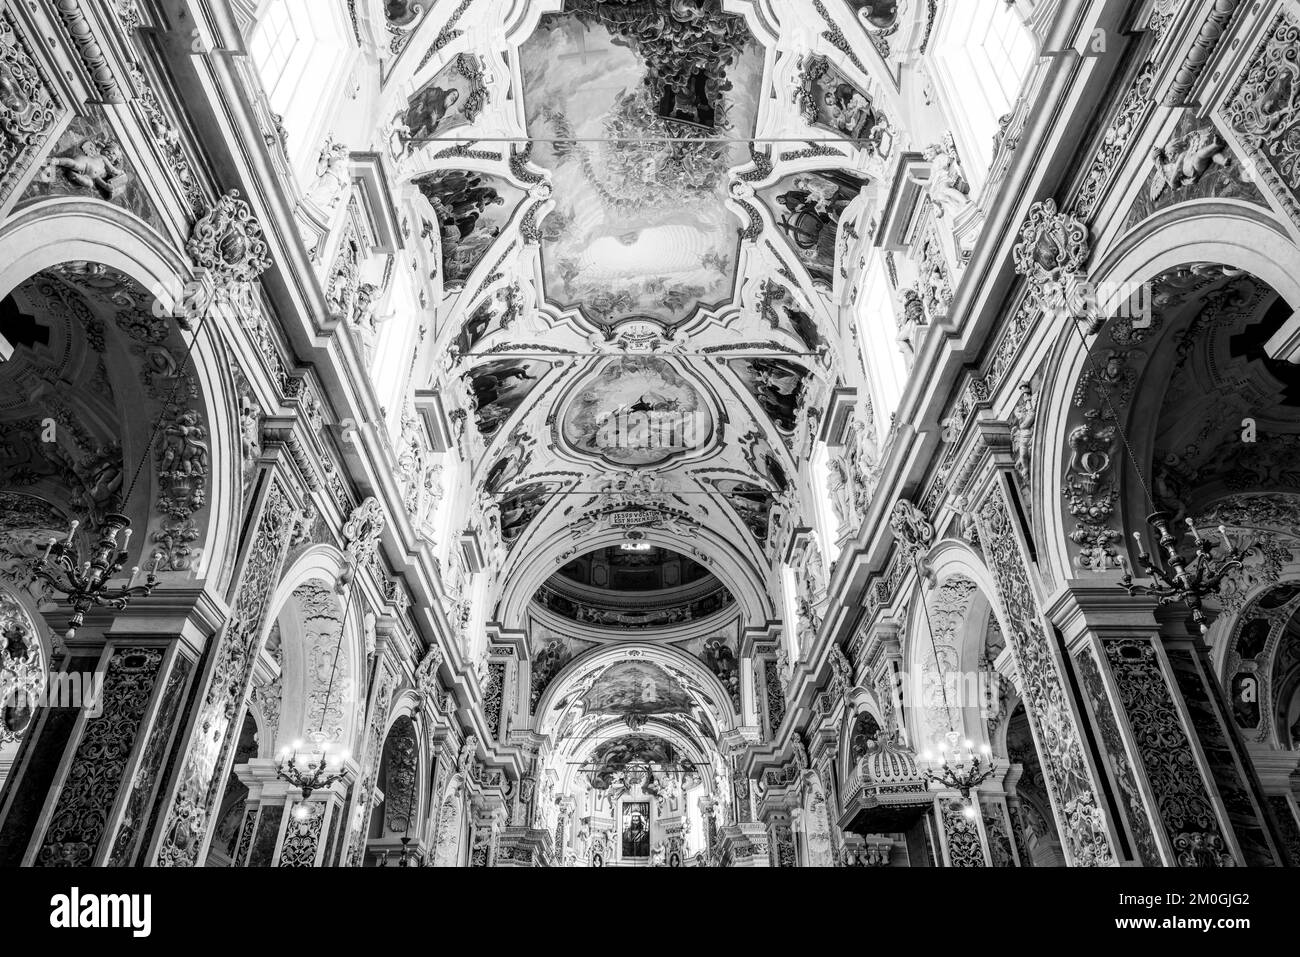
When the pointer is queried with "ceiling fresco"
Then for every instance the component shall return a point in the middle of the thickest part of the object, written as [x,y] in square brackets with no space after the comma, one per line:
[809,208]
[636,689]
[499,387]
[637,257]
[472,209]
[608,761]
[752,504]
[776,385]
[640,227]
[520,507]
[781,309]
[828,98]
[637,411]
[450,99]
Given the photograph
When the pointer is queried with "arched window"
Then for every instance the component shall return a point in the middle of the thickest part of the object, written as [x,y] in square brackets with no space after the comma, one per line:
[981,55]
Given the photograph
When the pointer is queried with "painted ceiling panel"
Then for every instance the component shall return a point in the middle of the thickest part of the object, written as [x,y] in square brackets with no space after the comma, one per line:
[635,110]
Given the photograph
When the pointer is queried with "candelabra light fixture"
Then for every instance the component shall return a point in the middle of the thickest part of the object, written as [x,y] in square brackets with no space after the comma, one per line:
[960,766]
[86,586]
[321,766]
[1186,580]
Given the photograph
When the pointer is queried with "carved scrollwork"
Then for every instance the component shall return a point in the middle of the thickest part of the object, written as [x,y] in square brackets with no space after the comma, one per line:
[1065,768]
[1263,109]
[1091,494]
[1051,252]
[27,107]
[426,676]
[228,242]
[913,530]
[362,531]
[963,838]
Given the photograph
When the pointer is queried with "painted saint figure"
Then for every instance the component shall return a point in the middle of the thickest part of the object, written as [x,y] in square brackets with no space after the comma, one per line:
[636,837]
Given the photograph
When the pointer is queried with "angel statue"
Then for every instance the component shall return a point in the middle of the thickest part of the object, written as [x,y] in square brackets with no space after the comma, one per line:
[1186,159]
[183,450]
[948,187]
[332,175]
[94,164]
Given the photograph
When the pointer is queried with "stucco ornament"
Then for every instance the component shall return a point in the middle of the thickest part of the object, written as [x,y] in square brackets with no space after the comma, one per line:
[1051,252]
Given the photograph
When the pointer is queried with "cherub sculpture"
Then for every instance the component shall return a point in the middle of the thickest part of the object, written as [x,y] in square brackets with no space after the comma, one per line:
[94,164]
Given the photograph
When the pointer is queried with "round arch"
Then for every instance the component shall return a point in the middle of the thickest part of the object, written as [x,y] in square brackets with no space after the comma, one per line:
[586,668]
[963,620]
[402,776]
[318,569]
[743,581]
[1209,231]
[57,231]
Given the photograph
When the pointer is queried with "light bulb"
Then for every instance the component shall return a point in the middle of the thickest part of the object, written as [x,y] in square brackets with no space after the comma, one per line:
[969,812]
[301,813]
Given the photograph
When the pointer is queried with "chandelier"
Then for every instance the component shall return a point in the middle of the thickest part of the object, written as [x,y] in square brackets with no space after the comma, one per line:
[86,586]
[1179,579]
[324,763]
[960,767]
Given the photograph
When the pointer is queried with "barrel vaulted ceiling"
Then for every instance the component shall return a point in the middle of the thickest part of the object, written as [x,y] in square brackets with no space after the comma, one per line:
[646,214]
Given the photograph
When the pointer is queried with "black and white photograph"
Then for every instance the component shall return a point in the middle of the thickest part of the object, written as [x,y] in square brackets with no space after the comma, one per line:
[687,435]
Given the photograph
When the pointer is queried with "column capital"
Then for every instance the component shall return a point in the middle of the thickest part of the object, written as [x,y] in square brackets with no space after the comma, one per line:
[192,615]
[1100,608]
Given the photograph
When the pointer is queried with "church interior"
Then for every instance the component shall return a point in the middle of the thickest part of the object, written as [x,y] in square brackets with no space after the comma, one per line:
[650,433]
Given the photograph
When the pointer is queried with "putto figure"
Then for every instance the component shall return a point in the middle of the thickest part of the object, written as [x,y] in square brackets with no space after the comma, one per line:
[94,164]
